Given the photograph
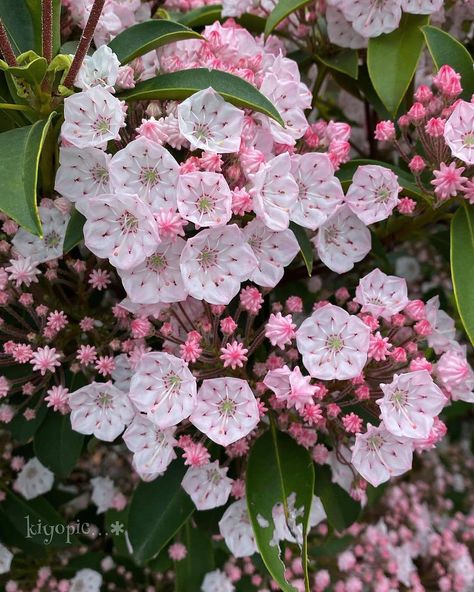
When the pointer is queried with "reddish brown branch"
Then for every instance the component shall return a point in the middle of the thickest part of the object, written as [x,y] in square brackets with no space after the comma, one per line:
[47,29]
[6,48]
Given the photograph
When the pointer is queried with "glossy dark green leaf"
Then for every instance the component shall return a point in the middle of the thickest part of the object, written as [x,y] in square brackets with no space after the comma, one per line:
[306,247]
[402,48]
[345,61]
[22,429]
[445,49]
[116,524]
[74,231]
[462,258]
[33,72]
[341,509]
[199,560]
[57,445]
[183,84]
[144,37]
[282,10]
[277,468]
[202,16]
[157,511]
[20,151]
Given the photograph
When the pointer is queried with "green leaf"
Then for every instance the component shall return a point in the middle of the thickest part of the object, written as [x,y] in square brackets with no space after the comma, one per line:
[202,16]
[277,468]
[20,151]
[306,247]
[199,560]
[183,84]
[74,231]
[32,72]
[445,49]
[22,429]
[144,37]
[462,257]
[283,9]
[402,48]
[341,509]
[57,445]
[157,511]
[345,61]
[116,523]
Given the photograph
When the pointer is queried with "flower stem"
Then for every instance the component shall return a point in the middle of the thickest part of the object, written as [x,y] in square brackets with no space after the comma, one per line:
[5,47]
[47,29]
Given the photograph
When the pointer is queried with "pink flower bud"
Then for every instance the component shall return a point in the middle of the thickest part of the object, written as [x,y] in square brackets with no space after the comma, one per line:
[416,165]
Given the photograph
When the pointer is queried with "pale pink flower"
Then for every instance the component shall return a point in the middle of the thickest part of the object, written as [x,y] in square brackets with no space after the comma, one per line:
[57,320]
[83,173]
[163,388]
[99,279]
[215,262]
[34,479]
[233,355]
[57,397]
[378,455]
[99,69]
[449,180]
[228,325]
[340,30]
[151,130]
[209,123]
[237,531]
[204,198]
[455,374]
[280,330]
[120,228]
[158,278]
[208,486]
[342,240]
[333,343]
[459,132]
[251,299]
[86,354]
[177,551]
[443,330]
[274,192]
[105,365]
[45,359]
[385,131]
[4,387]
[146,169]
[291,387]
[319,191]
[226,410]
[422,6]
[195,454]
[50,246]
[22,271]
[100,409]
[381,295]
[371,18]
[410,404]
[92,118]
[153,448]
[373,193]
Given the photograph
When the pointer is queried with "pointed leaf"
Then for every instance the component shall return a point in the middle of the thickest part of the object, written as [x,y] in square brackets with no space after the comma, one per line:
[403,48]
[199,560]
[74,231]
[306,247]
[202,16]
[345,61]
[183,84]
[144,37]
[341,509]
[283,9]
[462,257]
[277,468]
[20,151]
[157,511]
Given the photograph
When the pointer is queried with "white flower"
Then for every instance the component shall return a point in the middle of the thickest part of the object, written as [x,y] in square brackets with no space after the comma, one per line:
[208,485]
[34,479]
[237,531]
[86,580]
[5,559]
[99,69]
[204,198]
[103,493]
[443,330]
[381,295]
[217,581]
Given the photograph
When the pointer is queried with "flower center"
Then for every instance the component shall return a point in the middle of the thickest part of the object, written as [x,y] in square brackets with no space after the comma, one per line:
[148,176]
[383,194]
[99,174]
[128,223]
[172,382]
[227,407]
[214,477]
[207,258]
[334,343]
[399,398]
[104,400]
[468,140]
[102,124]
[374,443]
[156,262]
[331,234]
[52,239]
[205,204]
[201,131]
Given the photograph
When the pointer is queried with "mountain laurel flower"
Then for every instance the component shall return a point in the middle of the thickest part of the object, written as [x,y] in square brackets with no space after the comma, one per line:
[92,118]
[333,343]
[45,359]
[371,18]
[34,479]
[378,455]
[251,299]
[237,530]
[373,193]
[226,410]
[280,330]
[449,180]
[448,82]
[215,262]
[455,374]
[23,271]
[204,198]
[208,485]
[410,404]
[163,388]
[120,228]
[381,295]
[99,69]
[459,132]
[385,131]
[233,355]
[291,387]
[209,123]
[101,409]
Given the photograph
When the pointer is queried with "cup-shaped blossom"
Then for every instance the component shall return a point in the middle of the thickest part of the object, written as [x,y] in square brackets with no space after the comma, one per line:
[147,169]
[237,531]
[410,404]
[273,250]
[50,246]
[274,192]
[373,193]
[83,173]
[456,375]
[443,329]
[422,6]
[291,387]
[209,123]
[120,228]
[333,343]
[101,409]
[378,455]
[371,18]
[215,262]
[164,388]
[208,485]
[158,278]
[342,240]
[153,448]
[226,410]
[92,118]
[204,198]
[99,69]
[381,295]
[459,132]
[34,479]
[319,191]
